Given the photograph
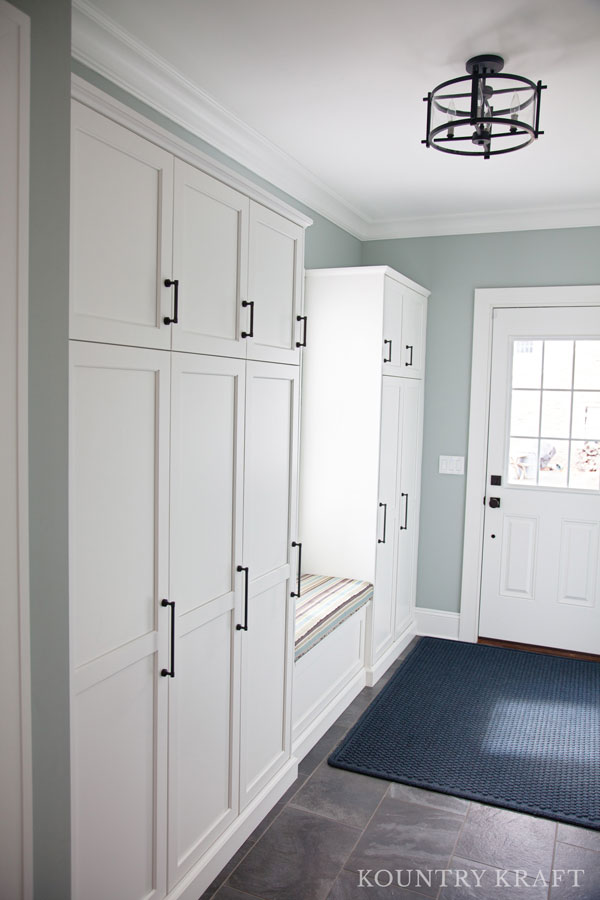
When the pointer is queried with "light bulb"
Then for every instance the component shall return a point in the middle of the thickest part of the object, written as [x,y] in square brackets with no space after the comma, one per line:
[451,117]
[514,111]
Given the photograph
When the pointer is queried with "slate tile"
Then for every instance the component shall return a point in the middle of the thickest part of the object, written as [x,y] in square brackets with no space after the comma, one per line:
[583,886]
[581,837]
[507,839]
[298,858]
[345,796]
[429,798]
[348,887]
[407,836]
[226,871]
[229,893]
[322,749]
[467,880]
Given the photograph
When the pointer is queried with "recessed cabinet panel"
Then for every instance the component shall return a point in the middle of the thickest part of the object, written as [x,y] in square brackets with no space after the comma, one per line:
[210,258]
[275,286]
[119,404]
[206,460]
[121,215]
[114,757]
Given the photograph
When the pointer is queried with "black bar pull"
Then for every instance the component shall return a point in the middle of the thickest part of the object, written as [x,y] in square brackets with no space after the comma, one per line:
[299,575]
[382,540]
[409,347]
[170,672]
[405,526]
[302,343]
[388,358]
[173,283]
[250,303]
[244,627]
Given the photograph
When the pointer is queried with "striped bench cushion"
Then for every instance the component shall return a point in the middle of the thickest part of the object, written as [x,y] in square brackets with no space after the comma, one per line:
[325,602]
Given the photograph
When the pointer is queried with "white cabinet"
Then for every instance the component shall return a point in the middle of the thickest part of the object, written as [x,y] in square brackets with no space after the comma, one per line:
[164,255]
[404,313]
[361,441]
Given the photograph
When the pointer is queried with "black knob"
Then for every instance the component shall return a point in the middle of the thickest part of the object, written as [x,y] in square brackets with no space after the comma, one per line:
[495,502]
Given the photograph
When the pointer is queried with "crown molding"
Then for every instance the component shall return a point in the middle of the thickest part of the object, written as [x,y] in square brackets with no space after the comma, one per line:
[103,46]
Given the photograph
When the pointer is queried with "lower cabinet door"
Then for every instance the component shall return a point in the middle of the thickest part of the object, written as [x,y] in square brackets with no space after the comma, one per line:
[207,434]
[270,510]
[408,514]
[119,477]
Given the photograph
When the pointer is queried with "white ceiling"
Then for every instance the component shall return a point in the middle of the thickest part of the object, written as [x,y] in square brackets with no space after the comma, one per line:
[325,99]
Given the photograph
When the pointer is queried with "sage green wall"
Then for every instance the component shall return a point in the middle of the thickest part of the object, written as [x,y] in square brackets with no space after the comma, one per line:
[327,245]
[452,267]
[48,385]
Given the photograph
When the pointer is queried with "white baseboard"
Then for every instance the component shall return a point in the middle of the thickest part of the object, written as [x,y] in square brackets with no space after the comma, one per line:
[437,623]
[374,672]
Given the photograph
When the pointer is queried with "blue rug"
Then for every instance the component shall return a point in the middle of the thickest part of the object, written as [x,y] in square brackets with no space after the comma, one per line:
[505,727]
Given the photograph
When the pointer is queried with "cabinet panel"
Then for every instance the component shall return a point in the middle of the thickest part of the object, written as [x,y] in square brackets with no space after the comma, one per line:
[413,334]
[118,502]
[392,328]
[275,285]
[408,513]
[210,259]
[118,847]
[121,220]
[206,476]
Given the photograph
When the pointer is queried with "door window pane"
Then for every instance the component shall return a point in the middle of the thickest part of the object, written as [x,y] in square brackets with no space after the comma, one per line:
[527,364]
[554,463]
[523,461]
[558,364]
[525,413]
[587,365]
[584,472]
[586,414]
[556,414]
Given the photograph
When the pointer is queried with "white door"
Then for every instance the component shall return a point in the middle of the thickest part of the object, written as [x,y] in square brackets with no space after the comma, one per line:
[118,538]
[413,333]
[270,501]
[210,263]
[121,234]
[389,470]
[275,287]
[408,513]
[207,442]
[392,327]
[541,562]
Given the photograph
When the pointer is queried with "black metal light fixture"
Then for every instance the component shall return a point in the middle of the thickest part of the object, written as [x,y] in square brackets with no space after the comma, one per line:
[485,112]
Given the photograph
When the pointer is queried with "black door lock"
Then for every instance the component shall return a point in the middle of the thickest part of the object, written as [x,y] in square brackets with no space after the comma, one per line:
[495,502]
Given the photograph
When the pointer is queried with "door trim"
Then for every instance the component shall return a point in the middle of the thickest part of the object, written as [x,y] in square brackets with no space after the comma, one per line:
[486,301]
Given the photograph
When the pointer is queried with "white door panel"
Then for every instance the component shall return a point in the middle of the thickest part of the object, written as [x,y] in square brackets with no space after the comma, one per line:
[413,333]
[392,327]
[540,577]
[408,509]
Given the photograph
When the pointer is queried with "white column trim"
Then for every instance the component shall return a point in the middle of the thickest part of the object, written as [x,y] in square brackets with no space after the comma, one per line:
[486,300]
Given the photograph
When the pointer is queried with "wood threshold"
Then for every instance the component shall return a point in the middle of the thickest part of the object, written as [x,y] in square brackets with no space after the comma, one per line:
[532,648]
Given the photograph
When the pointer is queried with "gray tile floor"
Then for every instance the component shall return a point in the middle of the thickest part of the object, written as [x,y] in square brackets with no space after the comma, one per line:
[340,835]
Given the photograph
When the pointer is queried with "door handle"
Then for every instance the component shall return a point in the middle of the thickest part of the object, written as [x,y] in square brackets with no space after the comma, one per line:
[170,672]
[405,526]
[168,282]
[244,627]
[409,347]
[382,540]
[388,358]
[304,319]
[299,574]
[495,502]
[250,303]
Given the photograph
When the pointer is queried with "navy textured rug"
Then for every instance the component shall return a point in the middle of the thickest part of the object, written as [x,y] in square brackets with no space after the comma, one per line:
[505,727]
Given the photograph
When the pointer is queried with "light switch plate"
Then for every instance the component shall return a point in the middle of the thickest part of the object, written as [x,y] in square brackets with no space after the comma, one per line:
[452,465]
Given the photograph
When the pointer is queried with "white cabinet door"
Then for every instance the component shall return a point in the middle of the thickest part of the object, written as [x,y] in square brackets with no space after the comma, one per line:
[275,286]
[413,333]
[121,234]
[392,328]
[408,514]
[119,447]
[385,566]
[210,262]
[269,519]
[206,540]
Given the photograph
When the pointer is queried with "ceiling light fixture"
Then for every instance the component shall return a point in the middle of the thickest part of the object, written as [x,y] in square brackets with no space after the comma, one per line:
[483,113]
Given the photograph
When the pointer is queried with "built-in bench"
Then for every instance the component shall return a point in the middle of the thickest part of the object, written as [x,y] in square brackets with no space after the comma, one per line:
[331,617]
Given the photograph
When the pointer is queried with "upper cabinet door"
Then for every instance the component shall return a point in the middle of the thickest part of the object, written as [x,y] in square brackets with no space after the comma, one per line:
[210,262]
[121,234]
[275,287]
[392,328]
[413,333]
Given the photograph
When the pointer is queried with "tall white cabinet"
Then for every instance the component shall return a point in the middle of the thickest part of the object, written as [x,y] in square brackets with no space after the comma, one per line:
[186,316]
[361,441]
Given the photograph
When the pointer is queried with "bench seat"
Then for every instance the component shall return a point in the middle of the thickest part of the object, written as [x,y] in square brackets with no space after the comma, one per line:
[325,602]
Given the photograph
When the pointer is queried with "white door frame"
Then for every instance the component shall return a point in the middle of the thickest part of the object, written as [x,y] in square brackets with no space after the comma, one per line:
[486,300]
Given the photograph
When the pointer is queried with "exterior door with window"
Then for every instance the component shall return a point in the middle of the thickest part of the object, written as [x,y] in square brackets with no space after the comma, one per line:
[541,560]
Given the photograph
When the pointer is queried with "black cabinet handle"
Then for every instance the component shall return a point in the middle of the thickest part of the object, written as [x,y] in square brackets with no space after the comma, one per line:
[250,303]
[388,358]
[173,283]
[405,526]
[302,343]
[170,672]
[244,627]
[409,347]
[299,575]
[382,540]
